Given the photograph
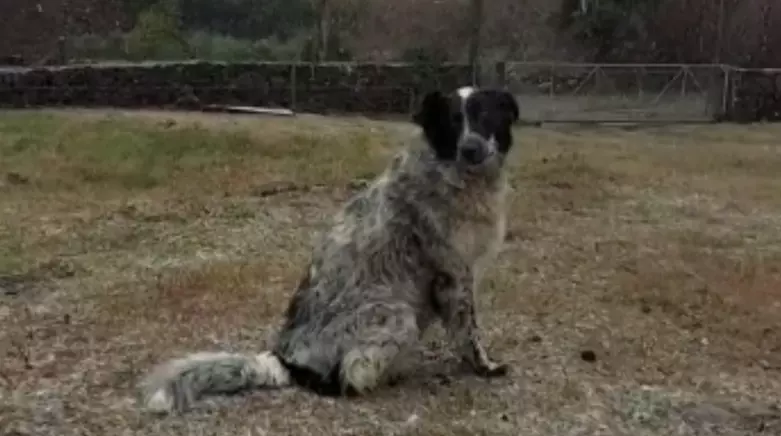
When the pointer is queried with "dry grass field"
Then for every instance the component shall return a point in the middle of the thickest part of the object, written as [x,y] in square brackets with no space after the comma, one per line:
[639,291]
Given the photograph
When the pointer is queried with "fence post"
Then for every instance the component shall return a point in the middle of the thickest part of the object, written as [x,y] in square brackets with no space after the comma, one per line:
[725,90]
[474,41]
[62,50]
[500,77]
[412,101]
[293,91]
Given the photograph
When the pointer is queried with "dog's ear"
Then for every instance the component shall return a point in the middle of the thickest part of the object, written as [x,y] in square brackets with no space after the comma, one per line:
[431,109]
[433,115]
[509,103]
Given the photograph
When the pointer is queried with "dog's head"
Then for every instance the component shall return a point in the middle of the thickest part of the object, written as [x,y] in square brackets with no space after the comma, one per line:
[470,127]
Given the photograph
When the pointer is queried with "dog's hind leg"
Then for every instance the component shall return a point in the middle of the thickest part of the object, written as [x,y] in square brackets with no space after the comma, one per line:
[385,330]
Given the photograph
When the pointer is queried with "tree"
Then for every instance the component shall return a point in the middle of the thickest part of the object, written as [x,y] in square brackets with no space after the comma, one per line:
[250,19]
[335,22]
[159,33]
[419,29]
[322,29]
[476,21]
[611,27]
[247,19]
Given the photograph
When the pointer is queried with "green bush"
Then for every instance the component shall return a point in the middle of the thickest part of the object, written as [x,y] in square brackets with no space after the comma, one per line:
[229,49]
[158,34]
[145,43]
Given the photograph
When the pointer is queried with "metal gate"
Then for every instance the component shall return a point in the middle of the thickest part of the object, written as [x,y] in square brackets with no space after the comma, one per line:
[637,93]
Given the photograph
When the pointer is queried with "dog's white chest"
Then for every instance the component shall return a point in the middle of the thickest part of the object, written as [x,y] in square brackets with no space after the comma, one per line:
[480,236]
[478,240]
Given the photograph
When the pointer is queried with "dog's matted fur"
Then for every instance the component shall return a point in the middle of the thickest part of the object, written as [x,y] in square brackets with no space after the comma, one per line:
[408,250]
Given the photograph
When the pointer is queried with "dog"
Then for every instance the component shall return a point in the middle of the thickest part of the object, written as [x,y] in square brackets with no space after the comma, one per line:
[407,251]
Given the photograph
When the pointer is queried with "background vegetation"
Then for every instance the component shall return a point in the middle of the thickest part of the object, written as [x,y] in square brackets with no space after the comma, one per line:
[746,33]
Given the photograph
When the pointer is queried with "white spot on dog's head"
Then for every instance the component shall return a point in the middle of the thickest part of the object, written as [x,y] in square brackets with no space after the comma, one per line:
[464,93]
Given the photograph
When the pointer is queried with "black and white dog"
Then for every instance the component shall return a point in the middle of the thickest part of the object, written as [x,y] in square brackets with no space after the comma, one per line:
[407,251]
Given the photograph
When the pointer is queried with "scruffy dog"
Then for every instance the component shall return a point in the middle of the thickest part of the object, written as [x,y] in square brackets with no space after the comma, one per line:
[408,250]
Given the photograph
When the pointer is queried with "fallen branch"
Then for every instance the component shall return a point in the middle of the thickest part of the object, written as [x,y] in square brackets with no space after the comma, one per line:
[248,110]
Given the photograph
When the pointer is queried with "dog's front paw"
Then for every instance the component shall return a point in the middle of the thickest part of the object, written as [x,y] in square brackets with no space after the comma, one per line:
[492,369]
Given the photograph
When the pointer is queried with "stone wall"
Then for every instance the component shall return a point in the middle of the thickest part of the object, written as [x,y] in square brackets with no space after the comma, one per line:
[338,87]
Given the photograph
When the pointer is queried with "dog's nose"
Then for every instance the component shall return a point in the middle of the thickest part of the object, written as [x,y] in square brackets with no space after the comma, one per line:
[473,151]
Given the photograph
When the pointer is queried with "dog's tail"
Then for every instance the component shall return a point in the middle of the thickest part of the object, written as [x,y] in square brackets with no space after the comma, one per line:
[175,385]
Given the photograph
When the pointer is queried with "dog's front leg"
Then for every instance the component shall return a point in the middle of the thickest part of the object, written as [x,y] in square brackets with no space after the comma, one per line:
[454,296]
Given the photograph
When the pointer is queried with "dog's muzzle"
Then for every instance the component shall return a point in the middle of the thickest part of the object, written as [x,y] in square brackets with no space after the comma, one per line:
[475,149]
